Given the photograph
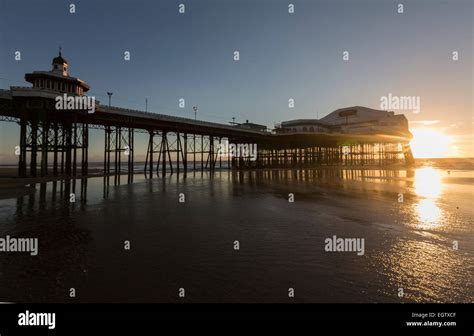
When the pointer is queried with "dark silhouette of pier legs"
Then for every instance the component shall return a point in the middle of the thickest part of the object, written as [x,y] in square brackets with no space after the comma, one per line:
[194,152]
[34,146]
[185,154]
[107,147]
[173,149]
[22,156]
[85,150]
[164,146]
[131,151]
[46,138]
[68,151]
[55,149]
[56,138]
[374,154]
[149,155]
[44,148]
[119,141]
[202,153]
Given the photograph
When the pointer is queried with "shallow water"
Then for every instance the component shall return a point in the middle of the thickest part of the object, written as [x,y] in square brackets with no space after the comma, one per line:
[190,245]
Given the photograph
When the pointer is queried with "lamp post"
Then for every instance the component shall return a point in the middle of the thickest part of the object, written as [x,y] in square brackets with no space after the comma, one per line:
[195,108]
[110,97]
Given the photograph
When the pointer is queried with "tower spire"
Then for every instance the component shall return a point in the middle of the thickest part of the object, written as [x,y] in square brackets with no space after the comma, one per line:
[60,50]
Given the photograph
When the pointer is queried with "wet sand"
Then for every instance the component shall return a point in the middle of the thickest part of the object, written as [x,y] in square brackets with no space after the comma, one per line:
[408,244]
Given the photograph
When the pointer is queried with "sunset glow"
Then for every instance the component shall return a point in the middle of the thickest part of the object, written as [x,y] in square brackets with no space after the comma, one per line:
[430,143]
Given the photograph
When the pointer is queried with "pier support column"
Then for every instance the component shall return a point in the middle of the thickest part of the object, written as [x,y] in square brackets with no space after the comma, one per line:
[22,156]
[178,151]
[68,149]
[131,151]
[34,147]
[149,155]
[74,148]
[407,154]
[117,163]
[168,151]
[202,153]
[164,146]
[185,154]
[194,152]
[220,155]
[107,150]
[210,157]
[85,150]
[44,148]
[55,150]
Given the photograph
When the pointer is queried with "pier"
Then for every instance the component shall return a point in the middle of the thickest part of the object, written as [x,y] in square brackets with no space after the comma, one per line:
[55,141]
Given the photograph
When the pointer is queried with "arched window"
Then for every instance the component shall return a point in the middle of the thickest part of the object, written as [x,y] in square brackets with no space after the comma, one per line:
[311,129]
[304,129]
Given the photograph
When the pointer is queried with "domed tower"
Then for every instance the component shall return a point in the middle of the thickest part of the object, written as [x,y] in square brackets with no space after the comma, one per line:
[58,79]
[60,65]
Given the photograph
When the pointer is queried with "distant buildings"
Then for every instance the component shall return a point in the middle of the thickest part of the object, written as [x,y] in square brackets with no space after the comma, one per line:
[350,120]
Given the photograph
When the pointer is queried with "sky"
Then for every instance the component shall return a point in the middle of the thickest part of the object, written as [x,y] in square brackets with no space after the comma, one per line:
[282,56]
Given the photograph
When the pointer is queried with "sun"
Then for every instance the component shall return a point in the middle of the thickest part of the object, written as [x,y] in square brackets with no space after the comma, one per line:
[430,143]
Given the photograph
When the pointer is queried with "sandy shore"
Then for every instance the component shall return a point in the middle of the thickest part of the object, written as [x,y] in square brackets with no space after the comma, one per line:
[407,244]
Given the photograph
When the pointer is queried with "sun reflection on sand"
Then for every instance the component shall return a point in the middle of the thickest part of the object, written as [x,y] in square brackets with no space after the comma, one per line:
[428,212]
[429,187]
[428,182]
[423,262]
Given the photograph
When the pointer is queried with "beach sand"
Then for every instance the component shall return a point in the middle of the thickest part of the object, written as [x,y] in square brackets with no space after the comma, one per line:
[408,245]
